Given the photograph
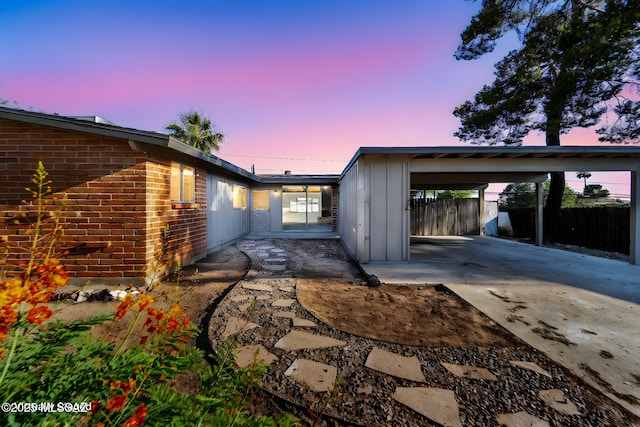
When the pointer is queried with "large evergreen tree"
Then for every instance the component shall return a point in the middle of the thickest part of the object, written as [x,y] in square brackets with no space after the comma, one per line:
[578,63]
[196,130]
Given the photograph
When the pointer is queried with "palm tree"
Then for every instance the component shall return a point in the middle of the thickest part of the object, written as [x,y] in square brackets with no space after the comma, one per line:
[585,176]
[196,130]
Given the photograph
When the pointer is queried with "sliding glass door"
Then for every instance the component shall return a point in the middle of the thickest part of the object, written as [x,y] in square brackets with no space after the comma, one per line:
[306,208]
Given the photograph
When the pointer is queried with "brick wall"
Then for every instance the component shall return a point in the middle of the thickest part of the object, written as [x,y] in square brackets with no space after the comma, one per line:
[187,222]
[113,227]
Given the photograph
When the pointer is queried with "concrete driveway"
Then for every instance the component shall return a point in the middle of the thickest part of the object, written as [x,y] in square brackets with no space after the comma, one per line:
[582,311]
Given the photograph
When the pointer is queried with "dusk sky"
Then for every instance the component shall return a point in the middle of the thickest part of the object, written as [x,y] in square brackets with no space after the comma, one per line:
[294,85]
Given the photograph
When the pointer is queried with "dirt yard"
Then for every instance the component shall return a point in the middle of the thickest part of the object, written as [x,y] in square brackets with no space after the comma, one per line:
[430,316]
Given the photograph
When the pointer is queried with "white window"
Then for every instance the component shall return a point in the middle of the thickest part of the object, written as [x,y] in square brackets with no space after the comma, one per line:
[239,197]
[183,183]
[260,200]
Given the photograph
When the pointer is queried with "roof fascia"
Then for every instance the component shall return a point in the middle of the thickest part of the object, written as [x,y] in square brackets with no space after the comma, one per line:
[138,140]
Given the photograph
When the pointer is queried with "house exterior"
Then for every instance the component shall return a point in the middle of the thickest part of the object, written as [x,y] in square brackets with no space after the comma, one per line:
[139,204]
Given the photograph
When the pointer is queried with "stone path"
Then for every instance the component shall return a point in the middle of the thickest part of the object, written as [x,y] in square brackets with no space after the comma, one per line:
[263,315]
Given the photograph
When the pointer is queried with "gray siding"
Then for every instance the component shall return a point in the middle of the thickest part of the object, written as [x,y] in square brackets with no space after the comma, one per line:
[348,211]
[389,195]
[225,223]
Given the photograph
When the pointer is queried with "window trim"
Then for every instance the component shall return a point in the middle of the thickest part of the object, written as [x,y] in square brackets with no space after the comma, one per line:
[182,202]
[239,194]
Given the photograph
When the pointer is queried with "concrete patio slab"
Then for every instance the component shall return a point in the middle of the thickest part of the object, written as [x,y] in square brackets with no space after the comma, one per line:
[437,404]
[393,364]
[317,376]
[299,340]
[580,310]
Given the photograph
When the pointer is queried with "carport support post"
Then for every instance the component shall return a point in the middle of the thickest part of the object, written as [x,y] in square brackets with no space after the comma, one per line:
[538,215]
[481,209]
[634,241]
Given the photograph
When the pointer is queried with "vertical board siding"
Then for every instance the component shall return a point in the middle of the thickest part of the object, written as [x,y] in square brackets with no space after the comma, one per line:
[388,193]
[225,223]
[379,211]
[348,213]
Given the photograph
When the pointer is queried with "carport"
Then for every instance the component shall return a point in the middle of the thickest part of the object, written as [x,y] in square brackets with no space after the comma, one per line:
[375,186]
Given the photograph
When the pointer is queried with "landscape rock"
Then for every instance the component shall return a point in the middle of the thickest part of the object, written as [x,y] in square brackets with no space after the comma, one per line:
[437,404]
[394,364]
[317,376]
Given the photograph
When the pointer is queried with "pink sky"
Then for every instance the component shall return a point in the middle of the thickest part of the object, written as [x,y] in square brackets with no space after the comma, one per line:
[293,85]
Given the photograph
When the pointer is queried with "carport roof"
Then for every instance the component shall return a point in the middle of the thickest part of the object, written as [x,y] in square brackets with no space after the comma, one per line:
[510,159]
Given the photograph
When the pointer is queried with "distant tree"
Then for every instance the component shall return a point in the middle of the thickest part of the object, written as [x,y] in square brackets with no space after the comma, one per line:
[575,61]
[523,195]
[585,176]
[518,195]
[196,130]
[455,194]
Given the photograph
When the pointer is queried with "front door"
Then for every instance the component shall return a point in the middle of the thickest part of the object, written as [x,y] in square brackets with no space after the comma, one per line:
[260,213]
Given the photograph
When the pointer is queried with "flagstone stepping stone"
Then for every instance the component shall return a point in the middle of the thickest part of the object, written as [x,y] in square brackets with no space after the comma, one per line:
[283,303]
[244,307]
[558,401]
[286,314]
[317,376]
[302,323]
[437,404]
[247,354]
[238,298]
[236,325]
[257,287]
[468,371]
[263,297]
[531,366]
[367,389]
[298,340]
[394,364]
[520,419]
[286,288]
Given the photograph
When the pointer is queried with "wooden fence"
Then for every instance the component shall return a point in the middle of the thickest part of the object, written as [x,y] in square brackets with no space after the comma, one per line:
[604,228]
[447,217]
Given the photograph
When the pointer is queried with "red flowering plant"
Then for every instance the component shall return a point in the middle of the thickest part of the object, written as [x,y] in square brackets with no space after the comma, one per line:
[132,384]
[25,291]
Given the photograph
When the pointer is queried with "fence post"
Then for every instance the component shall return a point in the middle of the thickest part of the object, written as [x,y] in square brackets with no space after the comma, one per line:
[634,220]
[481,210]
[538,215]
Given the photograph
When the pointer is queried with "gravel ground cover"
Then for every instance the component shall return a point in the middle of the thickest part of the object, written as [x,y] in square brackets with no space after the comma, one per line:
[327,289]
